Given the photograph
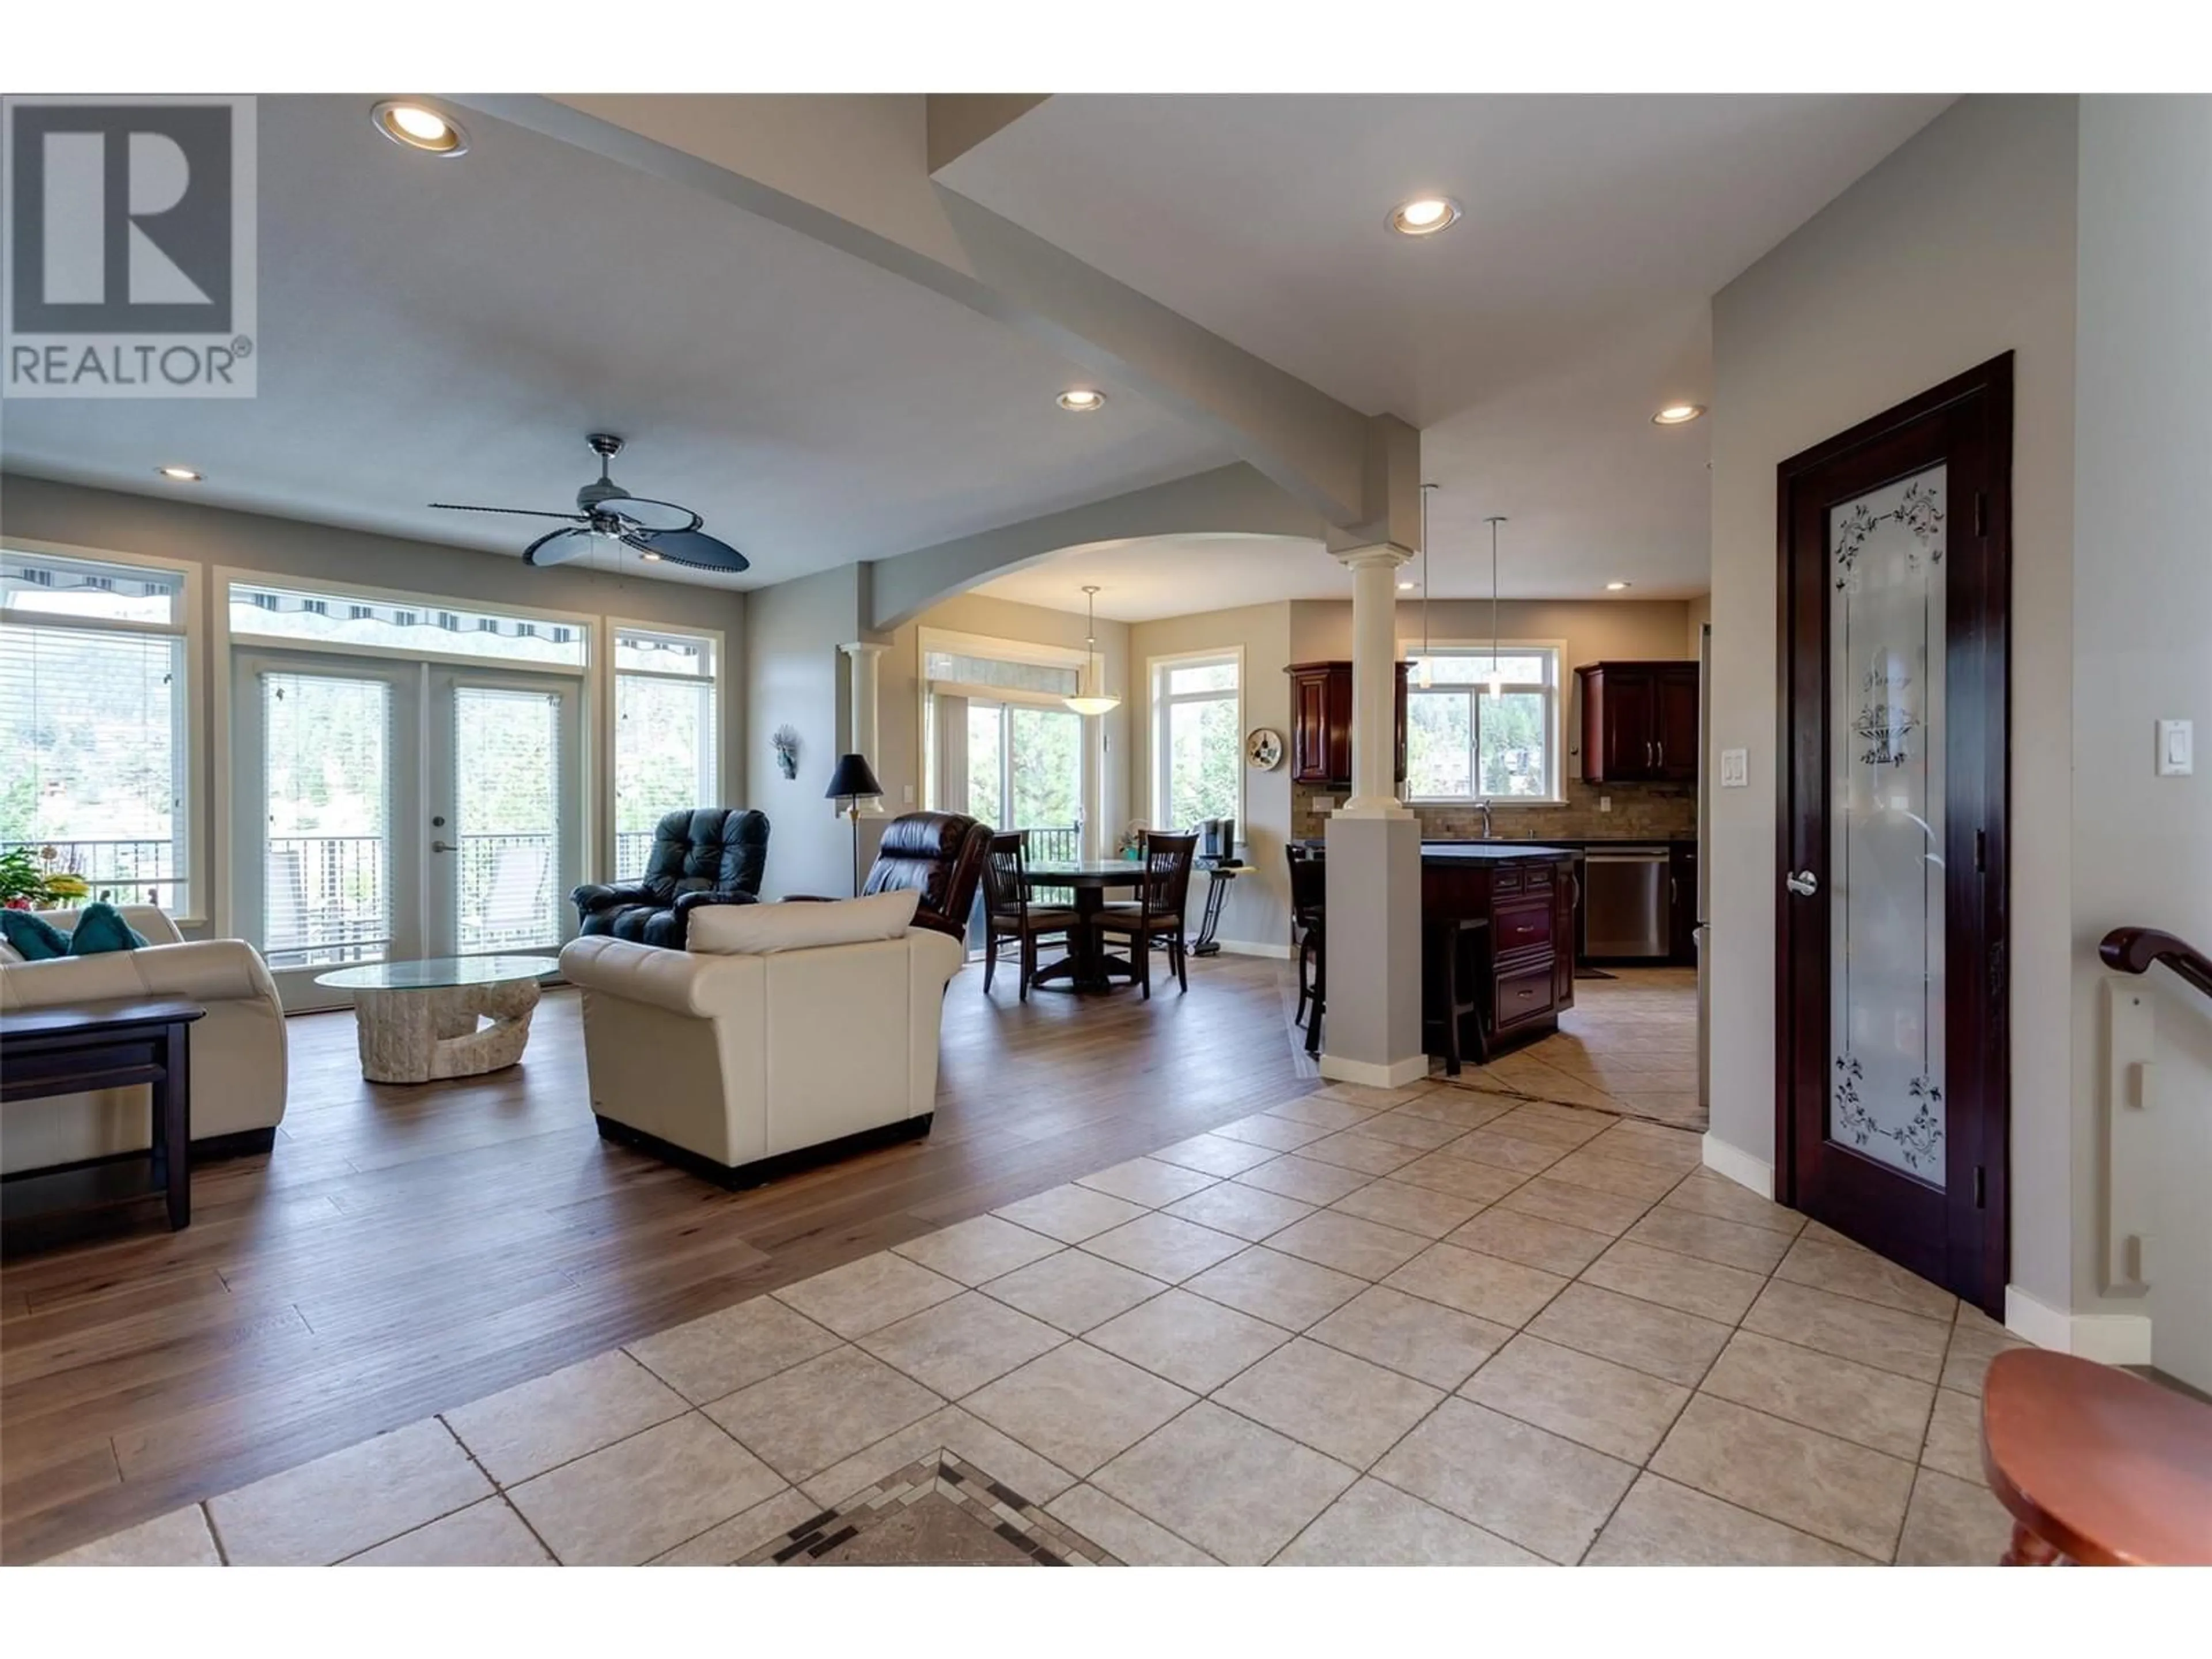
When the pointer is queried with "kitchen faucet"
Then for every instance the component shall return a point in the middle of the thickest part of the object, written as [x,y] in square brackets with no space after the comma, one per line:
[1489,833]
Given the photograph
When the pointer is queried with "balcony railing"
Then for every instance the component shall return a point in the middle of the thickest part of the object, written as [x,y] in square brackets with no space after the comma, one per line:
[326,899]
[506,898]
[632,848]
[120,872]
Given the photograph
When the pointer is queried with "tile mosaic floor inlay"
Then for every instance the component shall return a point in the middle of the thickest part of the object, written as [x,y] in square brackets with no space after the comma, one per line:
[1468,1322]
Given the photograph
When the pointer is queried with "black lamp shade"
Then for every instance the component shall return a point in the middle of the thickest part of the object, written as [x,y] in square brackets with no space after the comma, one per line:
[852,781]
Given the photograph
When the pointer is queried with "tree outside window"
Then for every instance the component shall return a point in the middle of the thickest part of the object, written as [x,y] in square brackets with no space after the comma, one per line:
[1465,742]
[1198,741]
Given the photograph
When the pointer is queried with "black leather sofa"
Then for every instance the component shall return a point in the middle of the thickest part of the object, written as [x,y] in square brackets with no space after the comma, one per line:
[705,855]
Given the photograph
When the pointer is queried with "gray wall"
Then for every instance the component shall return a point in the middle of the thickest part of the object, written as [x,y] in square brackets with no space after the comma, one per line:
[1958,248]
[2142,650]
[40,509]
[795,676]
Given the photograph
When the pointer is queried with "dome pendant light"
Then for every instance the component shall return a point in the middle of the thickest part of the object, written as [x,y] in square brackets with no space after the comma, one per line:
[1425,676]
[1100,701]
[1496,676]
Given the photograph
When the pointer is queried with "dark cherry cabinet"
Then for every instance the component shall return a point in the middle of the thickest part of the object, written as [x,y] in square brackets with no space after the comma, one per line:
[1639,722]
[1321,723]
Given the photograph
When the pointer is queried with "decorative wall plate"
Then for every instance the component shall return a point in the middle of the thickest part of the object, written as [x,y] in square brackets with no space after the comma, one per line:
[1263,748]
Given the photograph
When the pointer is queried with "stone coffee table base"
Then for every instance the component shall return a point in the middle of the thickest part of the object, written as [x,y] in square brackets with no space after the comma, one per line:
[419,1036]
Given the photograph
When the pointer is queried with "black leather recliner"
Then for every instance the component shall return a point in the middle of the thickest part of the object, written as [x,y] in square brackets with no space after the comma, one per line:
[708,856]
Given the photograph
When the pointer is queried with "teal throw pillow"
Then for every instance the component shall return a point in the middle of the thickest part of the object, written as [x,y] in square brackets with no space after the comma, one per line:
[33,938]
[100,928]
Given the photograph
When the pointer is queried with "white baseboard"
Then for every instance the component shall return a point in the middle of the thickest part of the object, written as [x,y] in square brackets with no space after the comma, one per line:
[1396,1075]
[1738,1165]
[1245,947]
[2114,1339]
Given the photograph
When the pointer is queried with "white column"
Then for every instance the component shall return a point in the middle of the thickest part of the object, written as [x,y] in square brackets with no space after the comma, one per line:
[1373,681]
[1372,1031]
[862,656]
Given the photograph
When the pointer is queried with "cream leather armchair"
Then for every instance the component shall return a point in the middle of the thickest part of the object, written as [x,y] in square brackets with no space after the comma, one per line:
[239,1075]
[739,1067]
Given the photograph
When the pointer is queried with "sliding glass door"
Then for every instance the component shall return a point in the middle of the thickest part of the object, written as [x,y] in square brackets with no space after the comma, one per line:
[1024,770]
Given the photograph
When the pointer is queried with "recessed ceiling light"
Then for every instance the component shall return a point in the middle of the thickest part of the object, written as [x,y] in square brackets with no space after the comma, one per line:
[1082,399]
[1405,587]
[1424,215]
[178,474]
[648,553]
[1616,587]
[1676,414]
[419,127]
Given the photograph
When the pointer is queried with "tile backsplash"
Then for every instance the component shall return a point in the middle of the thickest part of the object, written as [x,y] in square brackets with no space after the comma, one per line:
[1656,811]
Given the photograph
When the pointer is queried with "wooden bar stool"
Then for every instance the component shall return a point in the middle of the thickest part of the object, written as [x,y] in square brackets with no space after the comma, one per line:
[2098,1467]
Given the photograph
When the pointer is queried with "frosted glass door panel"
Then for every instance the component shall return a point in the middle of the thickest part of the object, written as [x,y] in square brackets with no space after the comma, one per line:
[1886,824]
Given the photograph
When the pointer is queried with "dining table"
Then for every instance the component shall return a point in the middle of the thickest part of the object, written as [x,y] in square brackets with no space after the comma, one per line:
[1087,966]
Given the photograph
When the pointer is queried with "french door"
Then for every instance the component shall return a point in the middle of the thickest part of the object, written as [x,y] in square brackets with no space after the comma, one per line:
[1892,1095]
[388,811]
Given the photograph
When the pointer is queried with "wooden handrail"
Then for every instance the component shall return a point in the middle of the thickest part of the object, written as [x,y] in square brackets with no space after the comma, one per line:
[2132,950]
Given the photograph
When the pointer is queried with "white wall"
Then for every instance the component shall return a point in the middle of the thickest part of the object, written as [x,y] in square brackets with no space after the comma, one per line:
[1960,246]
[39,509]
[1258,908]
[2142,649]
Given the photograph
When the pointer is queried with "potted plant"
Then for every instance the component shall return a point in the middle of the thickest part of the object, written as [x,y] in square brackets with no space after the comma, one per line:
[28,881]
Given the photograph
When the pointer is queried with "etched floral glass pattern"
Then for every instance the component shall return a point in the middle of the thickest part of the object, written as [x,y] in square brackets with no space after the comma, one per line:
[1886,633]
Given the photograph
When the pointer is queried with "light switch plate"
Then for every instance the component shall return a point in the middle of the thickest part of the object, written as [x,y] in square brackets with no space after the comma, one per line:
[906,794]
[1605,803]
[2177,745]
[1736,768]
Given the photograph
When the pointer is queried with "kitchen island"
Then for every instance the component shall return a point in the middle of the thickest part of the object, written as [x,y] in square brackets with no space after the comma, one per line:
[1497,945]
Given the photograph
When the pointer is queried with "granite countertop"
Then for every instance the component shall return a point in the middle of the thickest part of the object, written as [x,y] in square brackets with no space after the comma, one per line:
[1496,852]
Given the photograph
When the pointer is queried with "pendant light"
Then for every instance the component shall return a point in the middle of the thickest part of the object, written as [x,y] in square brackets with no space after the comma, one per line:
[1100,701]
[1426,675]
[1496,676]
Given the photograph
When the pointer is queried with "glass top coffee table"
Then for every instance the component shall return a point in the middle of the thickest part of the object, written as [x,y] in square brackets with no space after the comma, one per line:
[419,1021]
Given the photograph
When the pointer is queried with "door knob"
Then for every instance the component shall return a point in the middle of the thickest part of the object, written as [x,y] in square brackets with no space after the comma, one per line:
[1803,883]
[443,847]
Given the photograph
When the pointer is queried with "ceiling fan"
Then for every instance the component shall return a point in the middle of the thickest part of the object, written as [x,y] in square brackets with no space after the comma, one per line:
[604,510]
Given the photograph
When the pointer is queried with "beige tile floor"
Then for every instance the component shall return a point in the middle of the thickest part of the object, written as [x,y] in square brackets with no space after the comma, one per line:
[1442,1324]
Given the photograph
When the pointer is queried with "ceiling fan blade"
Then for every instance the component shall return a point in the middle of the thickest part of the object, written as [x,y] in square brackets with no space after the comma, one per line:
[523,512]
[658,517]
[557,547]
[694,548]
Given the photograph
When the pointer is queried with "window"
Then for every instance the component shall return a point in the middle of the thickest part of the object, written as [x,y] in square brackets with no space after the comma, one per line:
[1465,741]
[1198,741]
[665,736]
[999,742]
[93,735]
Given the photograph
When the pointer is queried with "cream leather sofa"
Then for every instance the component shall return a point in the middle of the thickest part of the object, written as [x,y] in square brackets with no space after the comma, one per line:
[238,1050]
[775,1039]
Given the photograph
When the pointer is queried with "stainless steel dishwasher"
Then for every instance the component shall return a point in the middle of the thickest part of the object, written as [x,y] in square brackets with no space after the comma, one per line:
[1626,913]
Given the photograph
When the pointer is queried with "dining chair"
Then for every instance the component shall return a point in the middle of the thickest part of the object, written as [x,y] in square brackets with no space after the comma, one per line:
[1158,914]
[1008,914]
[1308,899]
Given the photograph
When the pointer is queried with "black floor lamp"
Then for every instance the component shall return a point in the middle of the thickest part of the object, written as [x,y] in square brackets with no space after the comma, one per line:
[852,783]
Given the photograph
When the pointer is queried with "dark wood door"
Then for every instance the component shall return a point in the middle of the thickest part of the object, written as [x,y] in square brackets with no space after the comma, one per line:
[1675,722]
[1893,1085]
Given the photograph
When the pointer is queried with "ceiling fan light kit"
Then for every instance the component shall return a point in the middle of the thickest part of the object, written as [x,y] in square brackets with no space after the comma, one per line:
[605,512]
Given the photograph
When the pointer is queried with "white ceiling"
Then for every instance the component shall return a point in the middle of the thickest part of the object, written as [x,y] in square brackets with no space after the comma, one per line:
[1155,576]
[435,329]
[1531,342]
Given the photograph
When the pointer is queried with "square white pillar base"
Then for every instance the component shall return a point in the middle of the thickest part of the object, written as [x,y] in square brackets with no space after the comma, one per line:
[1372,1024]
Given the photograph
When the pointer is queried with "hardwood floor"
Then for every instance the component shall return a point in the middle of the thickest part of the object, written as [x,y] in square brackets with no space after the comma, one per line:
[404,1250]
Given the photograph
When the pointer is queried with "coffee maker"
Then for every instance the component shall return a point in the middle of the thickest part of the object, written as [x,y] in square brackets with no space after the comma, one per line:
[1217,839]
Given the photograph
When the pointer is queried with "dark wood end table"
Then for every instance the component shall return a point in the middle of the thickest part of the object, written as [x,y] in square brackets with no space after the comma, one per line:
[74,1047]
